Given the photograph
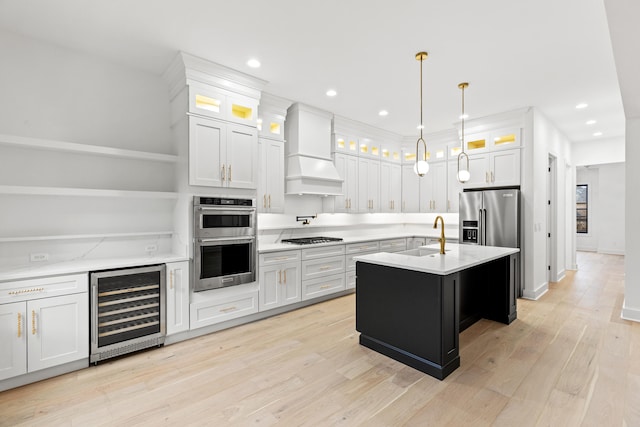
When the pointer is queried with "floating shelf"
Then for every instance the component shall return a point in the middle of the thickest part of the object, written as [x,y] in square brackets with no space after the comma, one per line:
[84,192]
[53,145]
[83,236]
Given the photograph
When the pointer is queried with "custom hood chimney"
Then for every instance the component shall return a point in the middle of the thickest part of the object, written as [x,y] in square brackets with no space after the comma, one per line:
[310,169]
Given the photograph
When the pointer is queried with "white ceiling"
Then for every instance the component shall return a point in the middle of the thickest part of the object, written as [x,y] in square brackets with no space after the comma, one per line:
[549,54]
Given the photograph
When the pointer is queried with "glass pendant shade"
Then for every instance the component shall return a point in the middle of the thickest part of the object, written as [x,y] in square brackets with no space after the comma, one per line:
[421,167]
[463,175]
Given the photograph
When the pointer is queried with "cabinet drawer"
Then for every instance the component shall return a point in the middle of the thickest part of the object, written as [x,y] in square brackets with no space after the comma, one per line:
[350,279]
[219,310]
[351,264]
[393,245]
[363,247]
[24,290]
[323,251]
[272,258]
[322,267]
[322,286]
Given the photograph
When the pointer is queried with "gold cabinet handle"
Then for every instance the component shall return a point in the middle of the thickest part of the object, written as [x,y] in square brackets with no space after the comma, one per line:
[171,279]
[325,286]
[325,267]
[492,177]
[346,203]
[279,276]
[349,202]
[269,201]
[228,309]
[264,201]
[285,277]
[19,325]
[33,322]
[486,177]
[223,173]
[229,173]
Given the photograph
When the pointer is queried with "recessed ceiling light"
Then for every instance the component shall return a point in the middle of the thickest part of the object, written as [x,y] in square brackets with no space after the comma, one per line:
[464,116]
[597,134]
[591,122]
[582,105]
[253,63]
[383,113]
[331,92]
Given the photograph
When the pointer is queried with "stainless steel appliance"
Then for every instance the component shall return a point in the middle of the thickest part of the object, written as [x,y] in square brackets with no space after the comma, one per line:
[225,242]
[312,240]
[491,218]
[127,310]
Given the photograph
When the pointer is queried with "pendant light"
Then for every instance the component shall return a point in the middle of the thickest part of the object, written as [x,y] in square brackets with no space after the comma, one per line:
[421,167]
[463,159]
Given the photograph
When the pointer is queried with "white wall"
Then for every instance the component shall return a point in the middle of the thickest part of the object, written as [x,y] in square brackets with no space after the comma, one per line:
[606,209]
[545,139]
[631,307]
[597,152]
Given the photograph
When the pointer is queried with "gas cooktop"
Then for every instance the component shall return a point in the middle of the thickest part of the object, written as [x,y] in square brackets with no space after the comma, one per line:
[312,240]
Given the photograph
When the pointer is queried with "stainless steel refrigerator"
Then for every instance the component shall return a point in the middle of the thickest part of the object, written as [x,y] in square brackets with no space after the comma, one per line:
[491,218]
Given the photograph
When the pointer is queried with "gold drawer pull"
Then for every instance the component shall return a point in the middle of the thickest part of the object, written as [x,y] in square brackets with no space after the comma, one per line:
[33,322]
[19,325]
[325,286]
[171,280]
[223,173]
[325,267]
[25,291]
[229,173]
[285,277]
[228,309]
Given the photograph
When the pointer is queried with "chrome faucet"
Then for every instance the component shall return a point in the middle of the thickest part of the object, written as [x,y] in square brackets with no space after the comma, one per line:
[442,240]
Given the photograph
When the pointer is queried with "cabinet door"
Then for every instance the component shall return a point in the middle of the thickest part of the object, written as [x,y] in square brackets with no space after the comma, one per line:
[505,168]
[241,156]
[291,286]
[395,187]
[454,187]
[263,191]
[479,171]
[207,141]
[373,185]
[58,330]
[410,189]
[351,183]
[364,202]
[270,286]
[274,166]
[342,201]
[426,191]
[385,187]
[178,297]
[13,351]
[439,191]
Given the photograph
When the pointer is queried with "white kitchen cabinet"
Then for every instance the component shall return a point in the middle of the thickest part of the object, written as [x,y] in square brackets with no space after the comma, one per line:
[347,167]
[323,286]
[46,324]
[345,144]
[222,154]
[393,245]
[322,270]
[454,187]
[494,169]
[223,105]
[410,189]
[230,304]
[433,188]
[271,182]
[177,297]
[368,185]
[390,187]
[279,277]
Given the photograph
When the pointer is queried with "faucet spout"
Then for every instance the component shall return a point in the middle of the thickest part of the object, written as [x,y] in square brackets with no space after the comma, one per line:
[442,240]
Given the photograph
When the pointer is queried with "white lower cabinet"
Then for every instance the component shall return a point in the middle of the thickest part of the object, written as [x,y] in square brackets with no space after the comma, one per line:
[323,271]
[38,331]
[224,304]
[177,297]
[323,286]
[279,274]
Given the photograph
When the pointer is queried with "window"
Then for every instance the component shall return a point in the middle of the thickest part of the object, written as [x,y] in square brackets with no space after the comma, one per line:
[582,208]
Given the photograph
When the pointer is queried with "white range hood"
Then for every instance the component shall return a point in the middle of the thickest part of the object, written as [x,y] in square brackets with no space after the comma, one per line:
[310,169]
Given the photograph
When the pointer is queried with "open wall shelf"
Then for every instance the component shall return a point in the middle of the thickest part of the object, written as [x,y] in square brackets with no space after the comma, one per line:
[84,192]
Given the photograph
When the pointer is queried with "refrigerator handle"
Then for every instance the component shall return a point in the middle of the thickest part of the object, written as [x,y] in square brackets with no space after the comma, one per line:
[480,228]
[484,227]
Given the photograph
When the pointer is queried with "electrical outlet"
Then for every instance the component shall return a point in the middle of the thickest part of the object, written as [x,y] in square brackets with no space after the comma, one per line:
[151,248]
[39,257]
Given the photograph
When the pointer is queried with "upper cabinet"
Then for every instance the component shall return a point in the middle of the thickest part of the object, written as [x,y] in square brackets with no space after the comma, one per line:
[221,106]
[492,140]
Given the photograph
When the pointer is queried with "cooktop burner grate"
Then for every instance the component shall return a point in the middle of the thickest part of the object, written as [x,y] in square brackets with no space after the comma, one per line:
[312,240]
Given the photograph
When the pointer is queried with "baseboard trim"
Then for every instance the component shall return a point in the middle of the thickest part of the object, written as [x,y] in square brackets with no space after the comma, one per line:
[561,275]
[537,293]
[610,251]
[632,314]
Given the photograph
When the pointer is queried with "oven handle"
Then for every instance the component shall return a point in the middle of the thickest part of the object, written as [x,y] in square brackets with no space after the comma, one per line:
[226,208]
[228,239]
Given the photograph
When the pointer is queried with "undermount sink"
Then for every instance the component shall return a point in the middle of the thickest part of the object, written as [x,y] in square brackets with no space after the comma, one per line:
[420,252]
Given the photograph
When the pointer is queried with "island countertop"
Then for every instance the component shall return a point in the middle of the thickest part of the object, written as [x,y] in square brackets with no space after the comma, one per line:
[457,257]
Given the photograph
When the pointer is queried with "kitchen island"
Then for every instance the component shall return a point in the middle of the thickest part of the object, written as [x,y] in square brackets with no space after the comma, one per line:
[412,305]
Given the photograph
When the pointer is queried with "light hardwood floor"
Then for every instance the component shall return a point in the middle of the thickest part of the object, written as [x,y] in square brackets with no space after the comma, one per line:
[568,360]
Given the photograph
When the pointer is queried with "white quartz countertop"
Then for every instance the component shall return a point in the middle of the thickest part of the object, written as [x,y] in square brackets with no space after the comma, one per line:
[83,265]
[457,257]
[450,233]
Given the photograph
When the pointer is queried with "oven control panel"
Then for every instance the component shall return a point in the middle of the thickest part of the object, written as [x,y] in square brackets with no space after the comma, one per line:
[219,201]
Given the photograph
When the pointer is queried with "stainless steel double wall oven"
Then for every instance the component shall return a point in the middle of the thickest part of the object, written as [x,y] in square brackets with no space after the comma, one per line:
[225,242]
